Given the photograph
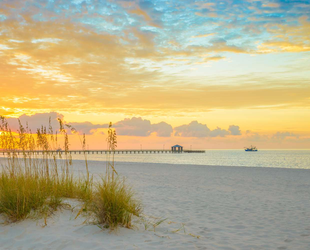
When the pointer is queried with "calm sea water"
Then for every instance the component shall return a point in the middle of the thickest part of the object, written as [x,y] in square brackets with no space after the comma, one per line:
[262,158]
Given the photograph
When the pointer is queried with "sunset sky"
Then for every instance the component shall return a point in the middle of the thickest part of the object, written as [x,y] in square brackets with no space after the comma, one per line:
[211,74]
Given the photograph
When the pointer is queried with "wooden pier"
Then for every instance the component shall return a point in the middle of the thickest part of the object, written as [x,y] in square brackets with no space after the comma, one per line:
[194,151]
[119,151]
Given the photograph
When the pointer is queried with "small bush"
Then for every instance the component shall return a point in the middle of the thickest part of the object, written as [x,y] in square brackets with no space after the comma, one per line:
[114,203]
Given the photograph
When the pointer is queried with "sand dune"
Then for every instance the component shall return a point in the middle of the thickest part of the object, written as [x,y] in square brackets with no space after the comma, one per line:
[205,207]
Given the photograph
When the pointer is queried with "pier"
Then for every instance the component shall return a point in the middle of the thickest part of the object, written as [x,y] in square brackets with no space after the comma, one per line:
[118,151]
[193,151]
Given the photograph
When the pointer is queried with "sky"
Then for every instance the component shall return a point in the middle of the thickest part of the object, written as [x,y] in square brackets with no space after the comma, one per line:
[203,74]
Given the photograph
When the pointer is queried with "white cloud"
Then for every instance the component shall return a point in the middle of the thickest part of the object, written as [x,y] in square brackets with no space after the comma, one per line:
[234,130]
[284,135]
[136,126]
[162,129]
[218,132]
[194,129]
[133,127]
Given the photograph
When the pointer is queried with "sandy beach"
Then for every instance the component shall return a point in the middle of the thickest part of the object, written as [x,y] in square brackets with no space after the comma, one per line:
[205,207]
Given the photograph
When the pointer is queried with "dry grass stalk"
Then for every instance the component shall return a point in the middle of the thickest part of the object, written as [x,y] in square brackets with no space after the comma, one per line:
[111,145]
[31,182]
[37,183]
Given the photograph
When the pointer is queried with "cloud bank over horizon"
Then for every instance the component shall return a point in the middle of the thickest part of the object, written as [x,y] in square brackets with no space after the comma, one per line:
[136,127]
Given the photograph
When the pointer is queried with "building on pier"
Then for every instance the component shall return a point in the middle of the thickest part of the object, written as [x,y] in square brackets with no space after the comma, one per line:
[176,149]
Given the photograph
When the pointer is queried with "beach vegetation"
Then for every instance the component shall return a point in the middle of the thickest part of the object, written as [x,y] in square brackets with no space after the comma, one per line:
[36,176]
[114,202]
[151,221]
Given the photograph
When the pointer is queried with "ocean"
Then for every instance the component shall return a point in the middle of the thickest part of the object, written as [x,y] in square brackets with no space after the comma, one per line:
[297,159]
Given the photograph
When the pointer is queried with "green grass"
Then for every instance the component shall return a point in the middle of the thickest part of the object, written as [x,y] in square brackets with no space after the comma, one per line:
[37,185]
[24,192]
[115,204]
[19,195]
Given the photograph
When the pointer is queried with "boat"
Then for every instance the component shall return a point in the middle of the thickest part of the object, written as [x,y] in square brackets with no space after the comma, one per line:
[252,148]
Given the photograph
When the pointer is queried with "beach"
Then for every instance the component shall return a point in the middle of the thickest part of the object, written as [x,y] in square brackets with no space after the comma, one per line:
[154,125]
[204,207]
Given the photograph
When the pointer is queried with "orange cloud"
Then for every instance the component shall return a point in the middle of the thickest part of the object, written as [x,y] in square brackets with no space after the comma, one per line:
[210,59]
[205,35]
[287,38]
[138,11]
[271,5]
[210,14]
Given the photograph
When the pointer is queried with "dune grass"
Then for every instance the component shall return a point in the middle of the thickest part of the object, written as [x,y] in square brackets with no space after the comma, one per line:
[115,203]
[22,193]
[114,200]
[37,184]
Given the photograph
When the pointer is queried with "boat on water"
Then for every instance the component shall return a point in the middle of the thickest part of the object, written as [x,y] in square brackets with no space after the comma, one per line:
[252,148]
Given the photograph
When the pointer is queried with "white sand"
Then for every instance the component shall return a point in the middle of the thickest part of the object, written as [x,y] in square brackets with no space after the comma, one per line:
[228,207]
